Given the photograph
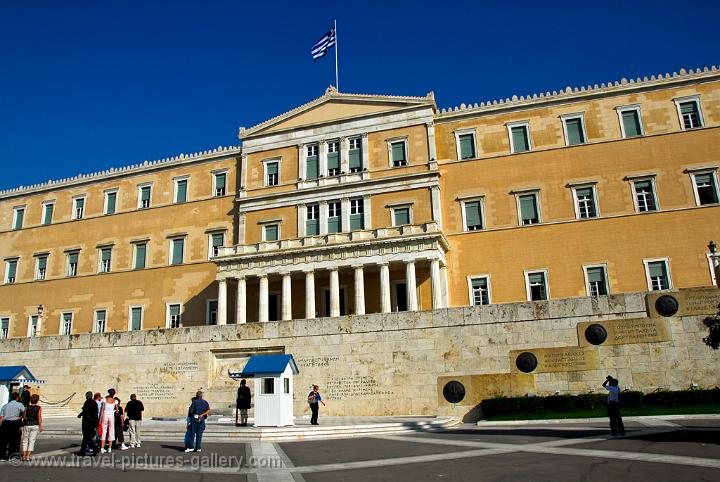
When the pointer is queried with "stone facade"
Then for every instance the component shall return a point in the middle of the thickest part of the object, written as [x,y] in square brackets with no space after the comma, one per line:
[391,364]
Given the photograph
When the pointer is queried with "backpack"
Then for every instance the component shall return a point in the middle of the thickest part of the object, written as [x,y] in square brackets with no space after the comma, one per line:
[311,398]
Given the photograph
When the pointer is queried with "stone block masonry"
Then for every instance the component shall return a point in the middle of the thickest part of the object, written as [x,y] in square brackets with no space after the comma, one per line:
[390,364]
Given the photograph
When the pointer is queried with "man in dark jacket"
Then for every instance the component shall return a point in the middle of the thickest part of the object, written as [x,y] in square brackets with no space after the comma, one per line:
[243,404]
[90,416]
[25,396]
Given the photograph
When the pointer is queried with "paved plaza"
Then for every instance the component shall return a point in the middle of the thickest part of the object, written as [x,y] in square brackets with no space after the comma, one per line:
[660,449]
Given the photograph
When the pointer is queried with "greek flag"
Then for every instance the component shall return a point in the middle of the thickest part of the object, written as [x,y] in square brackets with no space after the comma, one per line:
[319,49]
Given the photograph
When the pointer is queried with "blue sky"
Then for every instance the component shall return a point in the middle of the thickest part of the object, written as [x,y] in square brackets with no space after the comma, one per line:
[88,85]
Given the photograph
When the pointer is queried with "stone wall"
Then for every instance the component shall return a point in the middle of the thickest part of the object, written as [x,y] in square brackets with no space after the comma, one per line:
[395,364]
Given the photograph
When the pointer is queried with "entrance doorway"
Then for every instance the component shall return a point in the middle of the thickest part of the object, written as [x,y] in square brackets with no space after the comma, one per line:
[399,298]
[273,307]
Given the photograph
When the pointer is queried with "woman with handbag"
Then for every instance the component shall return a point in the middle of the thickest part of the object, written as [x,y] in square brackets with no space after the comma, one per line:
[106,429]
[32,425]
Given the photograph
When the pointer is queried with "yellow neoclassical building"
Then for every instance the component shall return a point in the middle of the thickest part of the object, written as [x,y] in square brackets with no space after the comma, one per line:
[354,204]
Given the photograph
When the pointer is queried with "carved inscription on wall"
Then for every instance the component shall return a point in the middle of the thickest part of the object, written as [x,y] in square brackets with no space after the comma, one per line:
[316,361]
[562,359]
[354,387]
[179,368]
[155,392]
[634,330]
[692,302]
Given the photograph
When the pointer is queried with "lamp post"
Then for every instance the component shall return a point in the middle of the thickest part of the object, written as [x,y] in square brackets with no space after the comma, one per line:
[40,310]
[715,261]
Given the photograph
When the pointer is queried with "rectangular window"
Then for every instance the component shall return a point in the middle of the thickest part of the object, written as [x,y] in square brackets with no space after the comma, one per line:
[41,267]
[219,181]
[585,202]
[480,291]
[334,216]
[216,241]
[100,321]
[690,115]
[466,143]
[72,263]
[658,274]
[574,130]
[181,190]
[18,218]
[398,153]
[174,320]
[536,285]
[596,281]
[528,206]
[519,137]
[472,215]
[110,202]
[333,158]
[177,250]
[401,216]
[272,173]
[357,214]
[312,169]
[48,209]
[144,195]
[630,123]
[268,386]
[271,232]
[10,271]
[104,259]
[644,194]
[4,328]
[136,313]
[706,190]
[312,221]
[212,310]
[66,326]
[140,256]
[78,207]
[286,384]
[34,328]
[355,154]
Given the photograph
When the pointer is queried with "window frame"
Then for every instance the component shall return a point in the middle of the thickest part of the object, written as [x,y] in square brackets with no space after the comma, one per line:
[264,225]
[38,257]
[106,195]
[176,184]
[68,264]
[395,207]
[665,260]
[316,209]
[574,115]
[45,205]
[5,336]
[357,204]
[602,266]
[630,108]
[215,175]
[334,205]
[142,317]
[95,320]
[359,141]
[16,211]
[633,192]
[709,170]
[480,198]
[140,188]
[266,178]
[698,104]
[471,295]
[168,321]
[462,132]
[510,126]
[533,192]
[327,157]
[546,279]
[135,244]
[210,242]
[75,200]
[101,268]
[38,329]
[576,200]
[171,250]
[8,262]
[395,140]
[208,302]
[62,323]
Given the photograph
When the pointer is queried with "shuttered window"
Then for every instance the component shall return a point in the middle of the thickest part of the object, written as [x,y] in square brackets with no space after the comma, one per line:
[273,173]
[48,213]
[220,184]
[399,156]
[357,209]
[574,129]
[480,291]
[41,269]
[78,208]
[631,123]
[100,321]
[528,209]
[585,199]
[4,328]
[333,158]
[537,285]
[140,255]
[334,217]
[597,284]
[271,232]
[11,271]
[401,216]
[355,154]
[645,196]
[473,215]
[312,169]
[690,115]
[174,316]
[135,318]
[104,261]
[67,323]
[467,146]
[312,223]
[72,263]
[178,247]
[520,139]
[216,241]
[145,197]
[19,217]
[110,202]
[707,192]
[658,274]
[181,190]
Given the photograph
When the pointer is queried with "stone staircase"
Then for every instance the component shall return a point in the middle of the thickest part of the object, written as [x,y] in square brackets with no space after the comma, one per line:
[61,409]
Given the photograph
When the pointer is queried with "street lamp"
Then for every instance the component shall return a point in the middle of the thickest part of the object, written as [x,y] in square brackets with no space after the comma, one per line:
[715,261]
[41,308]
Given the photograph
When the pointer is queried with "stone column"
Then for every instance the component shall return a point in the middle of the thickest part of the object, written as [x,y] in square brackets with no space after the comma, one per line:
[309,295]
[241,315]
[302,164]
[286,297]
[364,151]
[384,288]
[435,282]
[431,140]
[263,301]
[345,214]
[359,291]
[222,302]
[344,155]
[436,205]
[411,284]
[445,286]
[323,217]
[334,292]
[301,220]
[322,160]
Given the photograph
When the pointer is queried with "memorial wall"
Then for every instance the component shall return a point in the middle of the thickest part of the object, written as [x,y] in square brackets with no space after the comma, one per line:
[416,363]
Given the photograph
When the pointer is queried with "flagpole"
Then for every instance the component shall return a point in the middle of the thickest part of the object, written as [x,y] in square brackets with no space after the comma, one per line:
[337,81]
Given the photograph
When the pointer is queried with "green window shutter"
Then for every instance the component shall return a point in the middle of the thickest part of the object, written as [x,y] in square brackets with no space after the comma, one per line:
[105,254]
[596,275]
[111,198]
[311,169]
[334,224]
[272,168]
[12,269]
[174,310]
[642,185]
[473,217]
[528,209]
[218,239]
[355,159]
[703,179]
[73,258]
[584,192]
[398,151]
[333,160]
[145,194]
[181,191]
[536,278]
[688,107]
[178,247]
[271,232]
[140,254]
[402,216]
[42,262]
[220,181]
[467,146]
[80,203]
[520,140]
[357,222]
[136,318]
[312,227]
[631,123]
[480,283]
[48,213]
[574,131]
[656,270]
[19,215]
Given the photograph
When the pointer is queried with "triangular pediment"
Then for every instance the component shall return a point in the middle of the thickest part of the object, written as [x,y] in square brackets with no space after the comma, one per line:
[334,106]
